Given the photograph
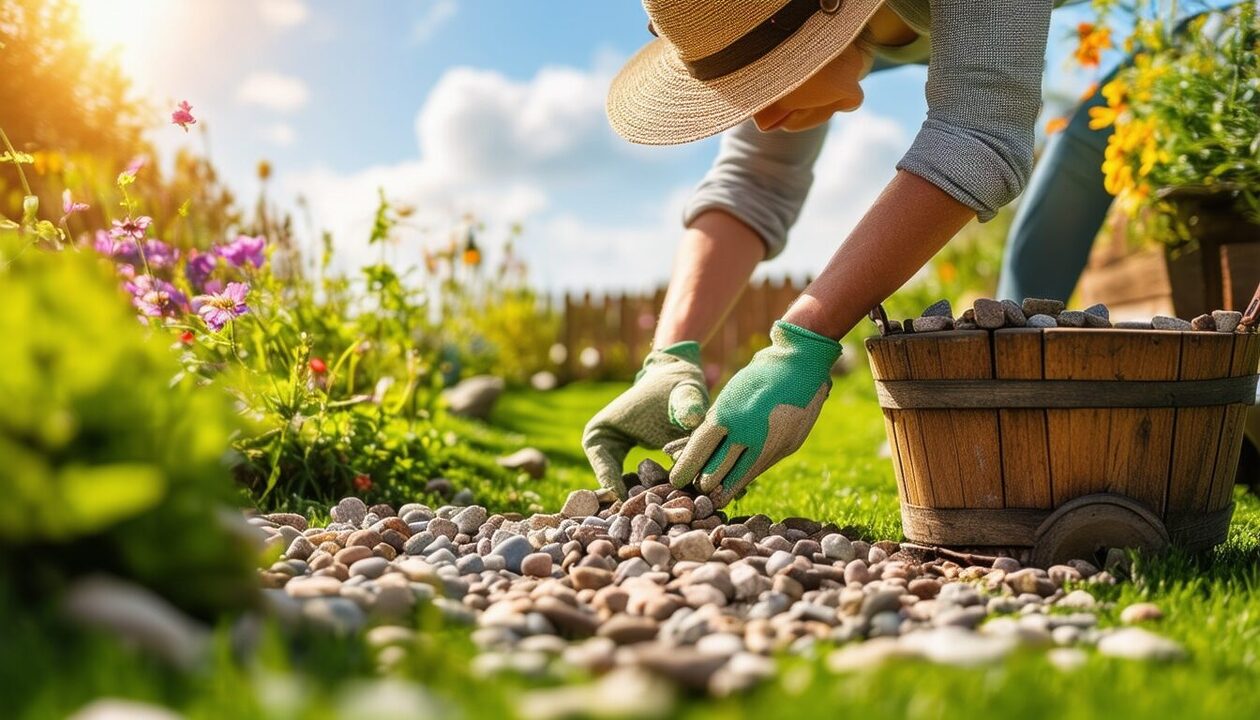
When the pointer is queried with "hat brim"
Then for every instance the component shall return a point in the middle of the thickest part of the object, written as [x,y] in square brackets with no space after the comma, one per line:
[654,100]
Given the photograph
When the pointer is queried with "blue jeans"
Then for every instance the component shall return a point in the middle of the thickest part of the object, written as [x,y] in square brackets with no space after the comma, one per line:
[1064,205]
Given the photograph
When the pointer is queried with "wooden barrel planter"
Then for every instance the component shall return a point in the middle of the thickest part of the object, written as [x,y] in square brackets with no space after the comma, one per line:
[1216,270]
[1057,443]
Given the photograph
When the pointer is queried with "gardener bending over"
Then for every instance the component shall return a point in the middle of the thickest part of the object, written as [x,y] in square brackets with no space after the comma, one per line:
[776,71]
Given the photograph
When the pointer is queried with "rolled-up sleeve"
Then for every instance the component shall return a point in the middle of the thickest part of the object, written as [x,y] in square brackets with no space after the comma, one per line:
[760,178]
[983,97]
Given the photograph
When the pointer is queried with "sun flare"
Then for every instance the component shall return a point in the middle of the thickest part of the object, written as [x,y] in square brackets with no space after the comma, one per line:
[125,27]
[109,23]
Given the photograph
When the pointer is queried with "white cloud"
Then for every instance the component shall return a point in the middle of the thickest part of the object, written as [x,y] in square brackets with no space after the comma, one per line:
[436,14]
[514,151]
[478,123]
[281,134]
[272,90]
[283,13]
[858,160]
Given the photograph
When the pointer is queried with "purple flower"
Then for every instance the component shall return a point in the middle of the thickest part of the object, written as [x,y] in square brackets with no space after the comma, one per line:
[123,249]
[199,267]
[220,309]
[133,228]
[105,244]
[160,255]
[154,297]
[242,250]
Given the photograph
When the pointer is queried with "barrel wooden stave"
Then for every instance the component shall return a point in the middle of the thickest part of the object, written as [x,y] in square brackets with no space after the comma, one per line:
[1040,459]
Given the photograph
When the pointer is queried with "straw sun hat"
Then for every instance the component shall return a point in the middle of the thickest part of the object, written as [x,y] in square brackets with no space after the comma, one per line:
[717,62]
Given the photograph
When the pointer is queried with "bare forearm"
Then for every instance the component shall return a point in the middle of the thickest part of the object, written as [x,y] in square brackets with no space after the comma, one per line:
[907,225]
[717,256]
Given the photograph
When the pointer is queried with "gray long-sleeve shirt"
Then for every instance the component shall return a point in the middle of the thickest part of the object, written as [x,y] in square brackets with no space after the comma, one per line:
[976,144]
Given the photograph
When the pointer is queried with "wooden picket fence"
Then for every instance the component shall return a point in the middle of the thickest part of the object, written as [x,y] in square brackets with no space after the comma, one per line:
[606,337]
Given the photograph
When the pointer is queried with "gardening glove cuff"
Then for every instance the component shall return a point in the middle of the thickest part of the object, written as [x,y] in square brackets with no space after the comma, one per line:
[667,400]
[762,415]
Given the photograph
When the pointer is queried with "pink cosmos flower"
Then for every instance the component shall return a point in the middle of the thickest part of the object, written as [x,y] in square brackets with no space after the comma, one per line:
[244,249]
[219,309]
[131,228]
[69,206]
[183,116]
[154,297]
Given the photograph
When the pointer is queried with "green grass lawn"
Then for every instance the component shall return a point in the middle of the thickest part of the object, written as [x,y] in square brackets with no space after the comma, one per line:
[1212,607]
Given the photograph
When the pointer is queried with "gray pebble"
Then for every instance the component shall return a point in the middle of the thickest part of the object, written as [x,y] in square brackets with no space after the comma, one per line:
[470,564]
[416,544]
[338,615]
[513,550]
[933,323]
[1163,322]
[1071,318]
[989,314]
[300,548]
[652,473]
[837,547]
[940,308]
[1014,314]
[1203,323]
[1226,321]
[350,510]
[694,545]
[469,519]
[1133,325]
[580,503]
[1138,644]
[372,567]
[442,527]
[1042,321]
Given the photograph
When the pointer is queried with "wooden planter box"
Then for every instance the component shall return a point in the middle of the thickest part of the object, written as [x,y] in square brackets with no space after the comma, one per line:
[1057,443]
[1137,282]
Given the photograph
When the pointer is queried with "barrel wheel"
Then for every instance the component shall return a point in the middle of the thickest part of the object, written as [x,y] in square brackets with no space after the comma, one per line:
[1084,526]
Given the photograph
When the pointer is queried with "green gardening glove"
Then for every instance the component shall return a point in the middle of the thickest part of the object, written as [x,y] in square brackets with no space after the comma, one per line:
[666,401]
[762,415]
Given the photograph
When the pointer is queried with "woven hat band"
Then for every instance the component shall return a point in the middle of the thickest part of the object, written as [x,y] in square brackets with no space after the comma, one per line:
[760,41]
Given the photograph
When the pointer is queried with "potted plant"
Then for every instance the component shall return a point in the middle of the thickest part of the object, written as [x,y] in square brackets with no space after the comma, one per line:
[1183,162]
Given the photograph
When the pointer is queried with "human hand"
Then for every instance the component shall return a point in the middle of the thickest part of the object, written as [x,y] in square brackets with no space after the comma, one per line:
[762,415]
[667,400]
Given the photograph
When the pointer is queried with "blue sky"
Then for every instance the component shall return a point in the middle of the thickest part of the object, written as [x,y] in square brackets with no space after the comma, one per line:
[487,107]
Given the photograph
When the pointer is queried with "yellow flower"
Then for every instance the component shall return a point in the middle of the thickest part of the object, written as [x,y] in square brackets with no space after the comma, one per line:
[1056,125]
[1114,92]
[1101,117]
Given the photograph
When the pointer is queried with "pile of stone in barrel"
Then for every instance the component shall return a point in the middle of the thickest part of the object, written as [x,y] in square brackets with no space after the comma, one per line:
[988,314]
[664,583]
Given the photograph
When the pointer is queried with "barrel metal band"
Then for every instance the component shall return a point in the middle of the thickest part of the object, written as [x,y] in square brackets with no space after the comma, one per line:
[1002,394]
[1017,527]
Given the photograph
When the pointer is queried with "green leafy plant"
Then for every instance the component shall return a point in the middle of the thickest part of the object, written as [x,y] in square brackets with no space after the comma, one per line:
[1186,117]
[111,452]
